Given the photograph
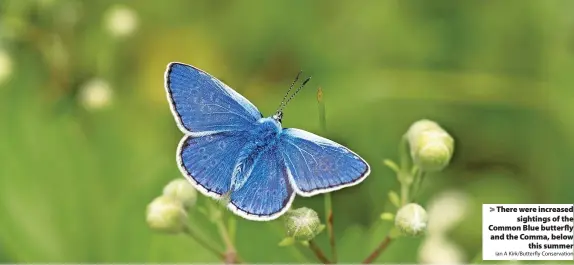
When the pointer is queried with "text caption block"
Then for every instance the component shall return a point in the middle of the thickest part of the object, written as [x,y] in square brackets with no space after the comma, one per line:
[528,231]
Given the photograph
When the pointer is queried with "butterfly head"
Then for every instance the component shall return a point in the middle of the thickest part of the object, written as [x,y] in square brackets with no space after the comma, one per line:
[279,114]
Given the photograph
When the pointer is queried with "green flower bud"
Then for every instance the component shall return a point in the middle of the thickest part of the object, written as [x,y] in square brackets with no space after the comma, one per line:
[182,190]
[430,145]
[411,219]
[166,214]
[302,224]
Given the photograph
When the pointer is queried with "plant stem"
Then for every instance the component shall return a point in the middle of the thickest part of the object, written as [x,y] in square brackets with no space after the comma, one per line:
[330,226]
[418,181]
[318,252]
[404,193]
[230,256]
[404,153]
[194,235]
[217,217]
[328,203]
[375,254]
[404,176]
[321,105]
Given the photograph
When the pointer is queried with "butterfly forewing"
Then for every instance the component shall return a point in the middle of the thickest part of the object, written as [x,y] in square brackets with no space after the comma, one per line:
[202,104]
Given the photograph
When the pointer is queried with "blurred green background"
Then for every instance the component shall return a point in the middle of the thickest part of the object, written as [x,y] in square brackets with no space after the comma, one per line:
[87,139]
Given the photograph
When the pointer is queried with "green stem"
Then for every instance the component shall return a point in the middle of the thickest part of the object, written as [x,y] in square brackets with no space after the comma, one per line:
[322,115]
[328,203]
[404,153]
[230,256]
[217,217]
[330,226]
[404,176]
[204,243]
[404,193]
[225,235]
[418,182]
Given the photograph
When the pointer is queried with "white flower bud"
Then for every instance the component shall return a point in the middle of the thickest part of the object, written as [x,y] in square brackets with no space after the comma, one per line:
[95,94]
[5,66]
[446,210]
[430,145]
[302,224]
[166,214]
[121,21]
[411,219]
[182,190]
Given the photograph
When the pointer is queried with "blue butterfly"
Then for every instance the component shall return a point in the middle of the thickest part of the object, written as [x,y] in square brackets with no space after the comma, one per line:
[231,151]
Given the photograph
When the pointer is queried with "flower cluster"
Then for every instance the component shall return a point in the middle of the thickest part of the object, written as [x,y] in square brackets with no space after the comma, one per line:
[430,149]
[168,212]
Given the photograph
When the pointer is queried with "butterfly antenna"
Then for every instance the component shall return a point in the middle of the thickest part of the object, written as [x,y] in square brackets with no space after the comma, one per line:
[296,92]
[281,106]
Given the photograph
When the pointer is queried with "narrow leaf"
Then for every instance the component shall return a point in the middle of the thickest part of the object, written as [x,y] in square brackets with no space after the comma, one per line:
[321,228]
[288,241]
[387,216]
[392,165]
[394,198]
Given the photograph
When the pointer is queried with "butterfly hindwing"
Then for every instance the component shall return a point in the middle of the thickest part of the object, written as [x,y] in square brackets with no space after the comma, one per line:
[267,192]
[319,165]
[202,104]
[208,161]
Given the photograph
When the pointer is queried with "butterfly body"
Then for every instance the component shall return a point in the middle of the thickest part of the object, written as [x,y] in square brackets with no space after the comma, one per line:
[231,149]
[263,135]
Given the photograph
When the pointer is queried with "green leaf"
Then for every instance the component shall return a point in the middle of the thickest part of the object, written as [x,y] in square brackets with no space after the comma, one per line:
[288,241]
[304,243]
[392,165]
[394,198]
[387,216]
[321,228]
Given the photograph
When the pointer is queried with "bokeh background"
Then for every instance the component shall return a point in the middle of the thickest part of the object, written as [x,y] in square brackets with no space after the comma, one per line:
[87,139]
